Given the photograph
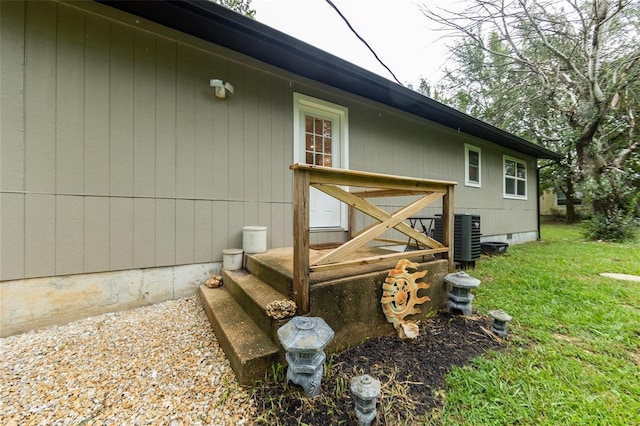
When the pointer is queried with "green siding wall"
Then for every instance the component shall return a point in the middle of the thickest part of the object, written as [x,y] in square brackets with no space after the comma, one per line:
[115,154]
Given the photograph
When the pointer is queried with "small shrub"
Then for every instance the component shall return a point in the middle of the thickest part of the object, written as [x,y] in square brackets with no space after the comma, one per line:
[617,227]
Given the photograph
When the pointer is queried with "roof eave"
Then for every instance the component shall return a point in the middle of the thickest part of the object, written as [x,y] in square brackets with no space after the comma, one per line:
[216,24]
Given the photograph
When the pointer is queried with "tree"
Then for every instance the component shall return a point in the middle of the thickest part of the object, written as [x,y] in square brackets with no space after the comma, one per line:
[563,74]
[241,6]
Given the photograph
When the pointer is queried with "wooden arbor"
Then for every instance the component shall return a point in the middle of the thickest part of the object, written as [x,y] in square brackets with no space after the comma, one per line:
[329,180]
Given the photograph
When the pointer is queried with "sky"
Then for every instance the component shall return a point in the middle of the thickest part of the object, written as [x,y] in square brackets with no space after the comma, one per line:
[396,30]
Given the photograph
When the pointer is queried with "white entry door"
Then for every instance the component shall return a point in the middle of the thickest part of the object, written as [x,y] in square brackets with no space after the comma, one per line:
[321,139]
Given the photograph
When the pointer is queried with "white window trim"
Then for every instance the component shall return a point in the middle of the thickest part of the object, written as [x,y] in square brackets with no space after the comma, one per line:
[467,181]
[526,179]
[303,103]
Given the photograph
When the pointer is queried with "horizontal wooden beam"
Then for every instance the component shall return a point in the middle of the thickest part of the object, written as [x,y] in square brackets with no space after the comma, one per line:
[378,193]
[335,176]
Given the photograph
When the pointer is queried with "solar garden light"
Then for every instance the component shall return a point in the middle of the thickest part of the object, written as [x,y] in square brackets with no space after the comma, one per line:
[365,390]
[500,320]
[304,339]
[460,296]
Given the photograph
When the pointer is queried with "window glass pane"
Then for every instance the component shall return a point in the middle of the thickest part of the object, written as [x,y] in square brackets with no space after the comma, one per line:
[327,161]
[522,187]
[473,173]
[309,142]
[326,128]
[318,158]
[318,126]
[509,168]
[309,158]
[318,144]
[522,171]
[327,146]
[510,186]
[474,158]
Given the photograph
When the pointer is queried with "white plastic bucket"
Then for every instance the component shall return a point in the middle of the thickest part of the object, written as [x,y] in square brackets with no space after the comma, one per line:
[254,239]
[232,259]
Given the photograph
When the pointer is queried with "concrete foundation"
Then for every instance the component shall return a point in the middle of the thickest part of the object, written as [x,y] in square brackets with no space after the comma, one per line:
[42,302]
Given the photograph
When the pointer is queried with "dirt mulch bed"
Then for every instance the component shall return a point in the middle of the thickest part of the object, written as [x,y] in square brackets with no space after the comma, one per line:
[411,373]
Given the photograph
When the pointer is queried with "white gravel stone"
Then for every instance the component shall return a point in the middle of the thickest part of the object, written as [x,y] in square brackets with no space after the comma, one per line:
[160,364]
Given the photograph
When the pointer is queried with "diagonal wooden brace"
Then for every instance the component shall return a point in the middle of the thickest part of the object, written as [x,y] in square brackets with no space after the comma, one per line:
[391,221]
[377,213]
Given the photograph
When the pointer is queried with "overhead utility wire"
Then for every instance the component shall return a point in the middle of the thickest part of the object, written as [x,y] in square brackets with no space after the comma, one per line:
[362,40]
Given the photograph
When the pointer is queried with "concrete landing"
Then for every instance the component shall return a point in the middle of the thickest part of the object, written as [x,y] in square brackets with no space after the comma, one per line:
[281,260]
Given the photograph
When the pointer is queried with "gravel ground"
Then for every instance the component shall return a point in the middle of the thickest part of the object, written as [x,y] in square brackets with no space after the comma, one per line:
[159,364]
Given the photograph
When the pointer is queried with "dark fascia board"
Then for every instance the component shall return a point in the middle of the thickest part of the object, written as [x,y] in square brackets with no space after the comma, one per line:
[216,24]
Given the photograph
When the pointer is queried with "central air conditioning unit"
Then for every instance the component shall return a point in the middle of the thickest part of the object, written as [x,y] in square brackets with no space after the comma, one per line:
[466,237]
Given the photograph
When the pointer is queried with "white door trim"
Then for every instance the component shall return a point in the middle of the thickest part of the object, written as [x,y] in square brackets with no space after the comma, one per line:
[303,103]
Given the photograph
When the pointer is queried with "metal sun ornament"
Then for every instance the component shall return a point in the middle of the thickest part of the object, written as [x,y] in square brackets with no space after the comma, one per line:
[400,295]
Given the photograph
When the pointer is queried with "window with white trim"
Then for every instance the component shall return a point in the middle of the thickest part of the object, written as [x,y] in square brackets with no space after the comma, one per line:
[515,178]
[472,165]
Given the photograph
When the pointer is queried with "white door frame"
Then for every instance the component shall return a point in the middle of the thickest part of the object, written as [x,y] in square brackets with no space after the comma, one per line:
[303,103]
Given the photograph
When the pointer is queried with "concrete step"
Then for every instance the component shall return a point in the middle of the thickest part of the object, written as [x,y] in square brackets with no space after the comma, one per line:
[249,350]
[253,295]
[273,267]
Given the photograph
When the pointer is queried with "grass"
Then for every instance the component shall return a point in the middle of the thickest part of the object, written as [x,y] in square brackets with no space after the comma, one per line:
[574,348]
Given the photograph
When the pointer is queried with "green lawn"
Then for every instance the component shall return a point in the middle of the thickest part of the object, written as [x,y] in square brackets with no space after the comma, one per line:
[573,355]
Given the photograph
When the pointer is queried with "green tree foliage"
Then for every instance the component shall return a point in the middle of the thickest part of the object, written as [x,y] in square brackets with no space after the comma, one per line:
[564,74]
[240,6]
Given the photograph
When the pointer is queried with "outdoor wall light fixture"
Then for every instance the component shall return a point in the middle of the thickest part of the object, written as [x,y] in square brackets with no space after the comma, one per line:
[221,88]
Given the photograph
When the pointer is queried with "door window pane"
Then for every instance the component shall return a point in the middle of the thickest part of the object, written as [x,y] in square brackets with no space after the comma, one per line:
[318,138]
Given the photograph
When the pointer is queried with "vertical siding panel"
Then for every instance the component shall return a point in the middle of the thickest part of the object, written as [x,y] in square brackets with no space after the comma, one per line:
[69,235]
[185,225]
[276,229]
[236,134]
[12,234]
[40,98]
[121,111]
[236,222]
[70,102]
[264,219]
[40,235]
[265,162]
[96,234]
[203,231]
[165,232]
[204,100]
[144,101]
[287,141]
[279,164]
[96,107]
[121,233]
[250,213]
[185,124]
[250,134]
[288,225]
[220,232]
[221,142]
[12,15]
[144,232]
[165,118]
